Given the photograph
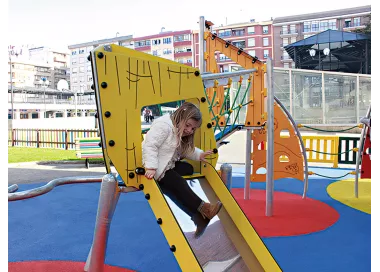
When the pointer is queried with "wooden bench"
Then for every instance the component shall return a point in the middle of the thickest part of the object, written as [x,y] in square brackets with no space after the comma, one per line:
[88,148]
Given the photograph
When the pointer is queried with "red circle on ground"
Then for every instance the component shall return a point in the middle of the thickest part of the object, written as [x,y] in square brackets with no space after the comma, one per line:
[292,215]
[56,266]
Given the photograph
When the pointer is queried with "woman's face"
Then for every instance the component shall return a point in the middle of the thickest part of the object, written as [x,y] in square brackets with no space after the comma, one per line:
[189,127]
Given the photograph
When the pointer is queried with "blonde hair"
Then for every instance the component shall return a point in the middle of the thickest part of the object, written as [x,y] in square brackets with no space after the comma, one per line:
[179,118]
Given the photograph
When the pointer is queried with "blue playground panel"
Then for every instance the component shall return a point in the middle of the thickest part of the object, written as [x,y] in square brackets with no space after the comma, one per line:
[59,226]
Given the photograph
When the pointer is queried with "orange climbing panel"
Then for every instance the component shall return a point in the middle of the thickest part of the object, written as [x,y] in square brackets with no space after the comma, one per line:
[288,159]
[255,109]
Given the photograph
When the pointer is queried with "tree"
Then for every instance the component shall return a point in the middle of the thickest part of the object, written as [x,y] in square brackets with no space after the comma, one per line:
[367,29]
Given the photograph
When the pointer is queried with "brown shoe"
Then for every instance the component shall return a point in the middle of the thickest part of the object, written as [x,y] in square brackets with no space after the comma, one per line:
[207,211]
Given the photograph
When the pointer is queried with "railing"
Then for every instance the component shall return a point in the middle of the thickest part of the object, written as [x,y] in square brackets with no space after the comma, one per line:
[288,32]
[48,138]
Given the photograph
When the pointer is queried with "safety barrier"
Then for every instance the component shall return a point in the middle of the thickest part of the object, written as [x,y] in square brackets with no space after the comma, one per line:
[322,149]
[345,144]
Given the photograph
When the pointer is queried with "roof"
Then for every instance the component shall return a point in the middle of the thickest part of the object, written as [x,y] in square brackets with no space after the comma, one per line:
[323,14]
[104,41]
[330,36]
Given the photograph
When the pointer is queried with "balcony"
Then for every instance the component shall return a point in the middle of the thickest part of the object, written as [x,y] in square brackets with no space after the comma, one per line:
[286,59]
[287,33]
[182,54]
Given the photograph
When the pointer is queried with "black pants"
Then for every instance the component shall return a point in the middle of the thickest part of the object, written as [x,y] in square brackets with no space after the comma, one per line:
[178,190]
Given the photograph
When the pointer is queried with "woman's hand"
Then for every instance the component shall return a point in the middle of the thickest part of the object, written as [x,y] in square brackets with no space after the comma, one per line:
[149,173]
[204,154]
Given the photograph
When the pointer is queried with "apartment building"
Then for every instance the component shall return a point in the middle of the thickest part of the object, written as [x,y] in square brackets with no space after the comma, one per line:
[80,66]
[290,29]
[172,45]
[254,37]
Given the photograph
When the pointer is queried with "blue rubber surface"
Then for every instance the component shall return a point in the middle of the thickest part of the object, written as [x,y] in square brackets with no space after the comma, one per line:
[59,226]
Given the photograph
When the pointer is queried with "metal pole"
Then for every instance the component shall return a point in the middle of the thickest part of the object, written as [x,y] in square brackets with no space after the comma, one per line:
[202,66]
[11,79]
[290,92]
[323,99]
[357,100]
[109,196]
[75,98]
[359,154]
[45,100]
[248,148]
[270,140]
[226,174]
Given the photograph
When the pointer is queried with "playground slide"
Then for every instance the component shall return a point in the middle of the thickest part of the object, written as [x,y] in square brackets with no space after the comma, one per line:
[229,243]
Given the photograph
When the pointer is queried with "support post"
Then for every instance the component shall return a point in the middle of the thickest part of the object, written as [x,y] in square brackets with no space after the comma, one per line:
[202,66]
[109,196]
[270,140]
[290,92]
[357,100]
[248,148]
[226,174]
[323,99]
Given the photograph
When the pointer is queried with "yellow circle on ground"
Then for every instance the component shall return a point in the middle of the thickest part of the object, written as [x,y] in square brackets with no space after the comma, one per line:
[344,192]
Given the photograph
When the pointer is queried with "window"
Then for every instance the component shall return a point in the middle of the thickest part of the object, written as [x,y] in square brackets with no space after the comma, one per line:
[73,53]
[89,68]
[265,30]
[266,53]
[251,30]
[81,50]
[34,115]
[357,21]
[307,27]
[347,22]
[240,44]
[81,79]
[293,39]
[180,38]
[225,33]
[332,24]
[252,53]
[156,52]
[251,42]
[285,41]
[75,70]
[323,25]
[89,78]
[284,29]
[238,32]
[167,51]
[81,60]
[81,69]
[75,79]
[314,26]
[167,40]
[189,61]
[293,29]
[156,42]
[74,61]
[265,41]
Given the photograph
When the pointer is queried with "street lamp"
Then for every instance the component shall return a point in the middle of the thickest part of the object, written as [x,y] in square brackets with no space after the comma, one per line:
[44,82]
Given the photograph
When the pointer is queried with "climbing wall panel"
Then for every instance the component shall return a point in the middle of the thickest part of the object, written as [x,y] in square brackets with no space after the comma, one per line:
[288,159]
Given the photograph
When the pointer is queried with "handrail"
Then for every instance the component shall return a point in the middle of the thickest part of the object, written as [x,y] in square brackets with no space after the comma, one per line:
[50,186]
[306,171]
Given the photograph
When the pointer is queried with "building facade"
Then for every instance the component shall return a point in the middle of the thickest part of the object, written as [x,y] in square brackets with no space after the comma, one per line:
[254,37]
[172,45]
[290,29]
[80,66]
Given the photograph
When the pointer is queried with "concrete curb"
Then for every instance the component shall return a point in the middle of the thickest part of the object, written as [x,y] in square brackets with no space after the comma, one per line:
[52,162]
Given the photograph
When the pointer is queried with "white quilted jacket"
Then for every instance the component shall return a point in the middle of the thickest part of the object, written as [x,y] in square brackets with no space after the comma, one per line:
[160,144]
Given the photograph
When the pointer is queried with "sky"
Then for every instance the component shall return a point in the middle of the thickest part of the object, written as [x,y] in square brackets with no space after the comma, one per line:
[58,24]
